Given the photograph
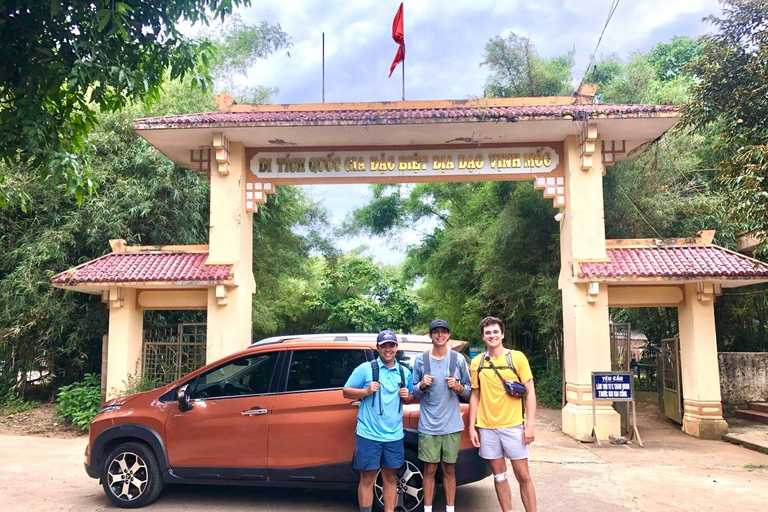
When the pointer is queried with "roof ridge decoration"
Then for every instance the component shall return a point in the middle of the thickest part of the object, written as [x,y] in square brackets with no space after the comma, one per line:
[226,103]
[118,245]
[703,238]
[395,113]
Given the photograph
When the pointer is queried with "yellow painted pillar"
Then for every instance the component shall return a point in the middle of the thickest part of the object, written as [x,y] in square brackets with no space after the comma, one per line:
[230,242]
[703,412]
[586,332]
[126,325]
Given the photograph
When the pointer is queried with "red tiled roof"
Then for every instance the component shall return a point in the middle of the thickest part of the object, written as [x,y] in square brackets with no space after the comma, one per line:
[144,267]
[398,115]
[674,262]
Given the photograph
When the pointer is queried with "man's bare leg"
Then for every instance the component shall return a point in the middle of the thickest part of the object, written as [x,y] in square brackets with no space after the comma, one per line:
[428,481]
[523,476]
[365,487]
[503,492]
[449,483]
[389,480]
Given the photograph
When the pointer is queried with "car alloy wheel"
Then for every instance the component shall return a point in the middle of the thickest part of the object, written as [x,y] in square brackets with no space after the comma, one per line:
[131,477]
[128,476]
[410,487]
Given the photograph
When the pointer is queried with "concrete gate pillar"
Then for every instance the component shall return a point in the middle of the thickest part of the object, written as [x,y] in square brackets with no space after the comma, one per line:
[702,407]
[230,242]
[586,331]
[126,327]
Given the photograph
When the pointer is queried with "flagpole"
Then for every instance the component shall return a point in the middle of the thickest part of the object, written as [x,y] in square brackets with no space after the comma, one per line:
[323,67]
[403,79]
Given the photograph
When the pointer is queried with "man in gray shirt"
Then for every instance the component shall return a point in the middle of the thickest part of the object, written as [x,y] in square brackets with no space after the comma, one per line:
[440,376]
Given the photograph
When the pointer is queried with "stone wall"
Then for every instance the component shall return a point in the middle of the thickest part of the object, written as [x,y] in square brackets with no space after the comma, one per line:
[743,379]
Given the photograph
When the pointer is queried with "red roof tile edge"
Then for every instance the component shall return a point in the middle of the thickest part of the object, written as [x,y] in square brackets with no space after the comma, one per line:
[145,267]
[674,262]
[395,115]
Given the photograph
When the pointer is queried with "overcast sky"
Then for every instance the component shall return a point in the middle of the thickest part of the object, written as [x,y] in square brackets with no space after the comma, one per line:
[444,48]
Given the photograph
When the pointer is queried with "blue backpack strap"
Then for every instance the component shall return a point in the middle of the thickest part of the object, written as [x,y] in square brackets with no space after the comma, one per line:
[425,360]
[452,363]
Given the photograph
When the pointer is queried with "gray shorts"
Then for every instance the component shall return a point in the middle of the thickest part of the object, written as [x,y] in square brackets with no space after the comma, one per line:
[503,442]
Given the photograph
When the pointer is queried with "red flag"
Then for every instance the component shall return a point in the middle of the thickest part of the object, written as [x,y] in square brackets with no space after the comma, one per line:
[398,34]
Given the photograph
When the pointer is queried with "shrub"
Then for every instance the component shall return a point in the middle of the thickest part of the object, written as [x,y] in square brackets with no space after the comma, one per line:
[549,386]
[645,384]
[79,402]
[12,403]
[135,384]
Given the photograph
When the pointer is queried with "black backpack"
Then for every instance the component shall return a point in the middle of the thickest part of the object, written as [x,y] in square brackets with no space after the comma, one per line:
[452,362]
[375,378]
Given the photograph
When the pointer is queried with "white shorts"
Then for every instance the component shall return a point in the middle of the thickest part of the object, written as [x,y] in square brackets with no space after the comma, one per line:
[503,442]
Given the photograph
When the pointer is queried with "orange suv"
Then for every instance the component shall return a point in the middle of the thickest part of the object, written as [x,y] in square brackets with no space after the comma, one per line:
[271,415]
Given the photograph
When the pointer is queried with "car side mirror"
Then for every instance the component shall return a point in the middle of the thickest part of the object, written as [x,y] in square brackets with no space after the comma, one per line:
[184,403]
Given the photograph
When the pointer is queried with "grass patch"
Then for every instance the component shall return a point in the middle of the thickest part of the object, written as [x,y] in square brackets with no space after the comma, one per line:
[752,467]
[12,404]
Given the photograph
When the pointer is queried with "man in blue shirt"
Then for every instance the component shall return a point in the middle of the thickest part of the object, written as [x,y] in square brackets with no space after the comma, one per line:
[379,432]
[440,423]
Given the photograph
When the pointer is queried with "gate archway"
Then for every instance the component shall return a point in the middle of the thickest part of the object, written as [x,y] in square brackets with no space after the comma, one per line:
[564,144]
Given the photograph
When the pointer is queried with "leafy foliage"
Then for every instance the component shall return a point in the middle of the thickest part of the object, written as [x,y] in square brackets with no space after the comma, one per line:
[731,97]
[79,402]
[517,70]
[12,403]
[355,294]
[142,198]
[61,61]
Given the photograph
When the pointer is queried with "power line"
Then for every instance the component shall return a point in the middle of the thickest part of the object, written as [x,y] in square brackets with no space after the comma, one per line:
[611,11]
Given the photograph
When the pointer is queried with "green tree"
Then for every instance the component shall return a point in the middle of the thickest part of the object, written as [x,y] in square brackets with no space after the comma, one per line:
[356,294]
[517,70]
[657,77]
[731,98]
[60,61]
[144,199]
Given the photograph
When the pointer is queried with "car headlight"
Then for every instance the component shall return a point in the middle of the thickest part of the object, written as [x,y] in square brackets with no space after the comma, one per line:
[108,408]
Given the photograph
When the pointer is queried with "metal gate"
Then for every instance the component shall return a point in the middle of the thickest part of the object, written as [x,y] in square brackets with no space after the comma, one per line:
[621,350]
[672,403]
[172,351]
[621,347]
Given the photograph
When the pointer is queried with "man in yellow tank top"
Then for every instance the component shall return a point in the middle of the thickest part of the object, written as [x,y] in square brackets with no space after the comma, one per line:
[496,423]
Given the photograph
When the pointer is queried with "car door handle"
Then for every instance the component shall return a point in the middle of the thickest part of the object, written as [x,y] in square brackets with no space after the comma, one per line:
[254,411]
[356,402]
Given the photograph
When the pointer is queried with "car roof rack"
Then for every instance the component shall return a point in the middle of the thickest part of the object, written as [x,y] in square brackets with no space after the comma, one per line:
[404,338]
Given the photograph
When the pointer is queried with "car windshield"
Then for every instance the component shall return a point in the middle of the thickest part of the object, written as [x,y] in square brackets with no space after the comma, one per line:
[406,358]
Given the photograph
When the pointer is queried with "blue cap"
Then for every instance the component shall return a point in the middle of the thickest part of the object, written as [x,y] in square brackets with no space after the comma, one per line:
[386,336]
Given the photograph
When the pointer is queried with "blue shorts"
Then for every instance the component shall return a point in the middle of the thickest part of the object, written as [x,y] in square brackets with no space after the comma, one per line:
[371,454]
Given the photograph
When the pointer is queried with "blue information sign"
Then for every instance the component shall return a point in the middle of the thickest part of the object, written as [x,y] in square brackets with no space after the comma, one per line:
[473,351]
[614,386]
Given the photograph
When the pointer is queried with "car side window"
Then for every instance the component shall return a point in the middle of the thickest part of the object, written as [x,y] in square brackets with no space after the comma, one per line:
[322,369]
[249,375]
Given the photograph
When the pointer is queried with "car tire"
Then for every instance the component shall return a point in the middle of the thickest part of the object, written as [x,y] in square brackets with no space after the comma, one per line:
[131,476]
[410,486]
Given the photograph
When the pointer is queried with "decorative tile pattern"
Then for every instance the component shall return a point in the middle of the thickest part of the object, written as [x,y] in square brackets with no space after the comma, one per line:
[399,115]
[674,262]
[144,267]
